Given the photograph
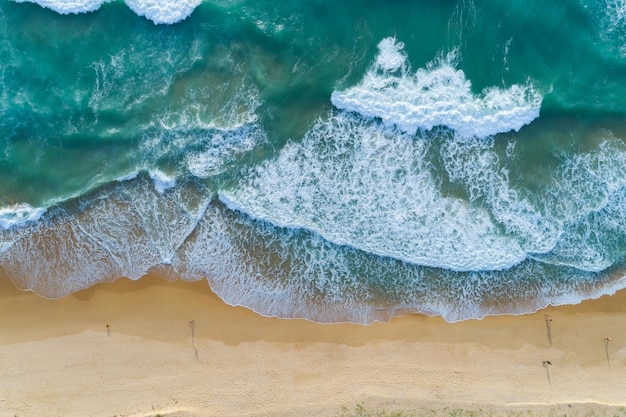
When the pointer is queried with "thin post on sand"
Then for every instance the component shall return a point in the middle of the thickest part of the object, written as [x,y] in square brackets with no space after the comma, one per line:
[192,324]
[607,340]
[548,319]
[546,365]
[108,330]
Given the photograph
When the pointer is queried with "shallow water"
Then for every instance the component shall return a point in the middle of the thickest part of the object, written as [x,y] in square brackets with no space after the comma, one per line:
[333,161]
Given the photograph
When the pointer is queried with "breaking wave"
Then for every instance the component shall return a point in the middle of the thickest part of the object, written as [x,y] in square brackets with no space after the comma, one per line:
[438,95]
[159,11]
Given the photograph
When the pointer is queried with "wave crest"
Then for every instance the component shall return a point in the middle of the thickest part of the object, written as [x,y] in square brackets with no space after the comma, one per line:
[159,11]
[438,95]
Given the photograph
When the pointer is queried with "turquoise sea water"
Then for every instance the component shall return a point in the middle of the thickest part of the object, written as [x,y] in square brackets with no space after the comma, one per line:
[338,161]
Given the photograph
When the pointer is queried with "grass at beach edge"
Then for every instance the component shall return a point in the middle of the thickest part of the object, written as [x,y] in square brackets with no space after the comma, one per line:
[560,410]
[578,410]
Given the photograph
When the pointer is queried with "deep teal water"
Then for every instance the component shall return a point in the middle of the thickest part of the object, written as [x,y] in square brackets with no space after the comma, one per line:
[339,161]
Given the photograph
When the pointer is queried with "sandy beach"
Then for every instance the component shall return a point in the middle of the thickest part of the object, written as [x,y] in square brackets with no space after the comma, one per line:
[59,358]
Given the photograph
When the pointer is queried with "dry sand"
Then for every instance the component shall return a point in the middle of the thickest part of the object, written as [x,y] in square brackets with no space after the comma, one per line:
[57,358]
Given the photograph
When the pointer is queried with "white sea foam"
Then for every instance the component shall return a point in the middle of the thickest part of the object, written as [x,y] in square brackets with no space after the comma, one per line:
[475,164]
[589,201]
[159,11]
[68,6]
[356,183]
[207,138]
[57,259]
[19,214]
[156,223]
[306,278]
[114,89]
[616,11]
[276,272]
[129,176]
[163,11]
[612,22]
[162,181]
[222,147]
[586,181]
[119,231]
[438,95]
[4,246]
[311,278]
[578,222]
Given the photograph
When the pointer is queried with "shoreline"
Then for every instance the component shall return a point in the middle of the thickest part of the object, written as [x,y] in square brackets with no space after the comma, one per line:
[59,358]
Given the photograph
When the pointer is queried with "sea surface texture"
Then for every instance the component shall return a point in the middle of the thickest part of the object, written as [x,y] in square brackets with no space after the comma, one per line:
[331,160]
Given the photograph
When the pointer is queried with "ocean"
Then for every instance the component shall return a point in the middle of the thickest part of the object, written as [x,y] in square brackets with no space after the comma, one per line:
[328,160]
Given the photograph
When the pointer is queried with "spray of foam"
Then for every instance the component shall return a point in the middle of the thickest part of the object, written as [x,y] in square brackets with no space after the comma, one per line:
[218,149]
[357,183]
[203,152]
[162,181]
[207,139]
[438,95]
[616,10]
[68,7]
[18,215]
[163,11]
[612,19]
[578,221]
[475,164]
[159,11]
[589,201]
